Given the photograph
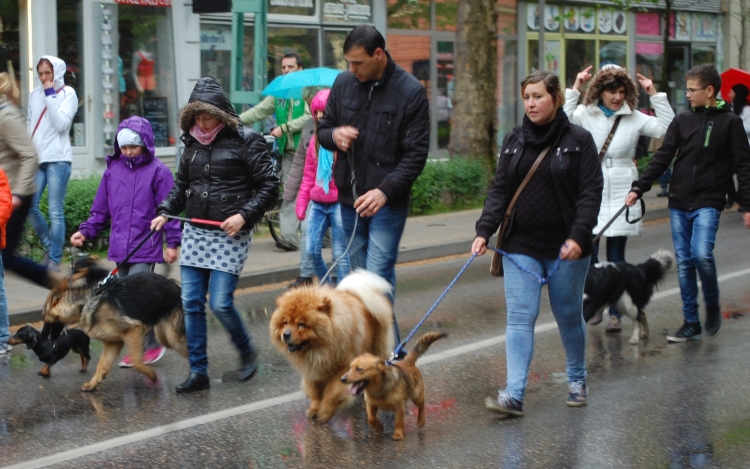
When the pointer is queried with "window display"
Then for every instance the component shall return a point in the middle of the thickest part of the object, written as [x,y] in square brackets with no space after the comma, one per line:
[137,70]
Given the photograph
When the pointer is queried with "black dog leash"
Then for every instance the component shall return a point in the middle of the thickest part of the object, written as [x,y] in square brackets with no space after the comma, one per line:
[127,258]
[625,208]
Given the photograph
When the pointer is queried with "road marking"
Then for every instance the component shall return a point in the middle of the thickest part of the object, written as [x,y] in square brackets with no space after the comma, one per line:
[286,398]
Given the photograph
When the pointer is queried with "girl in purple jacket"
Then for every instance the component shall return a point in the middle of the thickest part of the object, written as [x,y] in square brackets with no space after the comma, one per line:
[133,185]
[319,191]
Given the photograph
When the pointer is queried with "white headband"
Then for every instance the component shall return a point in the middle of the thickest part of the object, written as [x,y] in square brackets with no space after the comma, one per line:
[129,137]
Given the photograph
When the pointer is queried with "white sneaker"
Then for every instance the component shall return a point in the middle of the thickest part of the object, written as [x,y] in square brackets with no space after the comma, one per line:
[5,348]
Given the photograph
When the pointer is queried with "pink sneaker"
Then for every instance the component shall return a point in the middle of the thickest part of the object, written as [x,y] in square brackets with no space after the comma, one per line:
[154,354]
[151,356]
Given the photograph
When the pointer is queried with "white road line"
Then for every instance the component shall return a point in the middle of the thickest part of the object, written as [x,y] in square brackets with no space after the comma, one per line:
[274,401]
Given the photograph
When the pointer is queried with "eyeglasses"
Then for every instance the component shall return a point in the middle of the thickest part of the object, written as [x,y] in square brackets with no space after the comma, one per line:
[693,90]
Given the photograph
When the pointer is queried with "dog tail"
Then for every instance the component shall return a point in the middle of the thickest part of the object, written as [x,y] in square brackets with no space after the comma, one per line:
[371,289]
[423,343]
[657,266]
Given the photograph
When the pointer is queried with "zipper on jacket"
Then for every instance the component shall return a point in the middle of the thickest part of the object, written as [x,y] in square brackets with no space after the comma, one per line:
[708,133]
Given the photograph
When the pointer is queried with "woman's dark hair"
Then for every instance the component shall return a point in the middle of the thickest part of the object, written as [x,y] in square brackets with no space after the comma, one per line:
[551,83]
[41,61]
[364,36]
[613,84]
[741,93]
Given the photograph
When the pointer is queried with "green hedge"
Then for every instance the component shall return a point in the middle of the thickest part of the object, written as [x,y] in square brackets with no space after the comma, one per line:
[457,184]
[77,208]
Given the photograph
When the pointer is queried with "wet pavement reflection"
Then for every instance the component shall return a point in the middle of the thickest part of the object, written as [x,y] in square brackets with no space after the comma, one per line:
[651,405]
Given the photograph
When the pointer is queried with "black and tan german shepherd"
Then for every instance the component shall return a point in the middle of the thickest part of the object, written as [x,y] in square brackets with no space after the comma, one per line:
[120,313]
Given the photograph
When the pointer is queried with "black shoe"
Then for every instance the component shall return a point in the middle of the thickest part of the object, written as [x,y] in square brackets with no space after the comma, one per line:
[663,193]
[713,321]
[688,331]
[195,382]
[301,282]
[249,366]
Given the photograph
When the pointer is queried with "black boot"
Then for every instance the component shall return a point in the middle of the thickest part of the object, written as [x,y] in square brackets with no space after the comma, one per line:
[249,366]
[713,321]
[195,382]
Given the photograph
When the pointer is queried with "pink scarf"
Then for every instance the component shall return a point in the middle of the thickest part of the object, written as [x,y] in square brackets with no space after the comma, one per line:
[203,137]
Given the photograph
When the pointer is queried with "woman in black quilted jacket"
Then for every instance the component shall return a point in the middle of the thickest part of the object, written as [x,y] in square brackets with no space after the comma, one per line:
[225,175]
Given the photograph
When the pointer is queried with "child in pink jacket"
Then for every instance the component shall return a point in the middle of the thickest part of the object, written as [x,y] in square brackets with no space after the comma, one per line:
[320,192]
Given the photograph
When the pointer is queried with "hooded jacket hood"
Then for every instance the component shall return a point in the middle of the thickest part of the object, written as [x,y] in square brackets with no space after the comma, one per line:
[607,75]
[143,128]
[319,101]
[208,97]
[58,67]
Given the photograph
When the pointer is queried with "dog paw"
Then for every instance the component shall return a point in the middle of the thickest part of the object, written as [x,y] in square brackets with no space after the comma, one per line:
[377,426]
[43,375]
[398,436]
[633,341]
[89,387]
[82,370]
[311,413]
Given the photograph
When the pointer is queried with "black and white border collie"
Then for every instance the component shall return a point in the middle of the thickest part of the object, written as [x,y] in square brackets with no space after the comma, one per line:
[628,287]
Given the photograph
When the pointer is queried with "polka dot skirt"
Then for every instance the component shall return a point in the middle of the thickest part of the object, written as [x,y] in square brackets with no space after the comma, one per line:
[214,249]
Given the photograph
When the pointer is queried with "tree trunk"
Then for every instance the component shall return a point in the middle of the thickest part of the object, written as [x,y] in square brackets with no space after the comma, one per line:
[474,120]
[743,32]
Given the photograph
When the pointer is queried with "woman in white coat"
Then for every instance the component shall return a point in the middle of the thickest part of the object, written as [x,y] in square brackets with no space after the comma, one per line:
[612,94]
[52,107]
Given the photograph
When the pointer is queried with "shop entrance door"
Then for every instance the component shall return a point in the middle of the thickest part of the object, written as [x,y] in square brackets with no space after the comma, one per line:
[678,63]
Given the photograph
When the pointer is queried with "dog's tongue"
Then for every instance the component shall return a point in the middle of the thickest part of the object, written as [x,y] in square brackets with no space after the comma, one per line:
[355,388]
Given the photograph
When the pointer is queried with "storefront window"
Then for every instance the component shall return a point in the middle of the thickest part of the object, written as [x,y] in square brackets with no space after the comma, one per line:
[334,49]
[412,53]
[70,49]
[9,46]
[579,54]
[613,53]
[445,86]
[702,54]
[347,11]
[216,55]
[286,40]
[138,73]
[409,14]
[292,7]
[507,61]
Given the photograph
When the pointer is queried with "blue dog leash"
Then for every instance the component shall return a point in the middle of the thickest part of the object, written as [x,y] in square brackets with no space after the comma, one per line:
[543,280]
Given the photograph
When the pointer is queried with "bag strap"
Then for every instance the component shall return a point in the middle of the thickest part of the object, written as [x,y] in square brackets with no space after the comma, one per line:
[42,115]
[526,181]
[609,139]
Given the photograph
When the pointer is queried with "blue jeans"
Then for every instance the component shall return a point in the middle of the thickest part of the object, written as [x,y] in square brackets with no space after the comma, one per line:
[319,217]
[306,269]
[55,176]
[196,283]
[523,293]
[4,320]
[375,244]
[694,237]
[615,253]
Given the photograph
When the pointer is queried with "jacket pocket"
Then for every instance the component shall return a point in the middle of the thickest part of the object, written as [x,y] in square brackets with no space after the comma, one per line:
[230,204]
[385,133]
[350,112]
[193,203]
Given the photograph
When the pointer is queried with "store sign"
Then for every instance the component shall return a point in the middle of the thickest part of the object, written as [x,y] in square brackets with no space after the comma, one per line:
[216,39]
[146,3]
[347,11]
[292,7]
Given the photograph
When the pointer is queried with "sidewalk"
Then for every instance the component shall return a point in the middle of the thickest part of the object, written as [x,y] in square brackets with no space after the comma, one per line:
[424,238]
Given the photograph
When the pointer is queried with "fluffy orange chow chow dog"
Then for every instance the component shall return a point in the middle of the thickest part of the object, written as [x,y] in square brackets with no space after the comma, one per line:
[320,330]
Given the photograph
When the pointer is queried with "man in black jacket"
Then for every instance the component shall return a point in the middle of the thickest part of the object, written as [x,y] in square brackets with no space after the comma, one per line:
[710,143]
[379,115]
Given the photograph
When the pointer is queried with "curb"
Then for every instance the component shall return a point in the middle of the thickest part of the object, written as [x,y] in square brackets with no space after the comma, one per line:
[288,274]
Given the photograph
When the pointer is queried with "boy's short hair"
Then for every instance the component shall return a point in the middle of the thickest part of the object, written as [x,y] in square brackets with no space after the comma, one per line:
[706,75]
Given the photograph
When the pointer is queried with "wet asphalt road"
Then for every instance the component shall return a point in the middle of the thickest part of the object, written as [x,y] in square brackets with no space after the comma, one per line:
[651,405]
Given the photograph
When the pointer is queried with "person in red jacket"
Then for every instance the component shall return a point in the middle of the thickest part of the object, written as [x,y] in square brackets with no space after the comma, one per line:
[6,209]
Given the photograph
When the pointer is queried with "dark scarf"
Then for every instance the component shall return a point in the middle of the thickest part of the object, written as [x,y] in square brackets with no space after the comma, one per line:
[540,136]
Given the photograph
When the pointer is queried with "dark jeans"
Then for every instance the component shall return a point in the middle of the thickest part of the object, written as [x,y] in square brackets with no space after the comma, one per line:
[615,253]
[13,233]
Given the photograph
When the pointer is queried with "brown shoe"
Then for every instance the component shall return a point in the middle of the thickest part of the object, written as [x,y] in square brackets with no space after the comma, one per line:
[614,325]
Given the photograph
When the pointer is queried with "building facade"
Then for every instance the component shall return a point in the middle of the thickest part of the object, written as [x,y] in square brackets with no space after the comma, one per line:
[142,57]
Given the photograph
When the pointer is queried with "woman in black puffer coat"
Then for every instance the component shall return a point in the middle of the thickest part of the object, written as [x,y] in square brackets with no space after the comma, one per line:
[225,174]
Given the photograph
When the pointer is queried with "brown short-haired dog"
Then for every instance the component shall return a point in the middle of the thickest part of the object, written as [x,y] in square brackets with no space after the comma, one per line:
[389,386]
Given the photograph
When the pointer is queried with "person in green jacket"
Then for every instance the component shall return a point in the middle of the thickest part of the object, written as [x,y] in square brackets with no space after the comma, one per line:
[291,115]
